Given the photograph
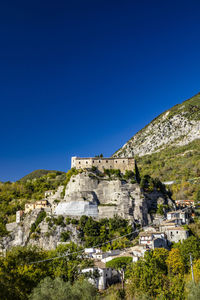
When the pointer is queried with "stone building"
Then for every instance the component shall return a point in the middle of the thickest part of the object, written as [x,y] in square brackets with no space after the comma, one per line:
[179,214]
[177,234]
[102,163]
[37,205]
[153,240]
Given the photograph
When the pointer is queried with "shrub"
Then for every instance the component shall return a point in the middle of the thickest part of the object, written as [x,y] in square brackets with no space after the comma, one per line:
[64,236]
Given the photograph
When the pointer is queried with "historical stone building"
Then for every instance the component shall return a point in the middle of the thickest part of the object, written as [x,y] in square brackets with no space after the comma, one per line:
[102,163]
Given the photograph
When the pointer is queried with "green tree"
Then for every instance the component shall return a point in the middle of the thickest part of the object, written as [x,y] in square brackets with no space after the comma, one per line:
[194,291]
[189,246]
[120,264]
[51,289]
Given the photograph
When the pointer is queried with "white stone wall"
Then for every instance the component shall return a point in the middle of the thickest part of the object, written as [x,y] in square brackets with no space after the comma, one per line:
[77,208]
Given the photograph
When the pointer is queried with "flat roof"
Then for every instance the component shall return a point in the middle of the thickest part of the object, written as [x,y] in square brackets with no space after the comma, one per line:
[104,158]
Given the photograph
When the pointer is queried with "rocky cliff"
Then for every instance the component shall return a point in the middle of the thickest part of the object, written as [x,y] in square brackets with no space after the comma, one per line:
[176,127]
[90,194]
[100,197]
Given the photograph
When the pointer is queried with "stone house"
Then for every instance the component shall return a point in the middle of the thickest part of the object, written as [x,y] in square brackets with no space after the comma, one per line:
[152,240]
[29,207]
[179,214]
[100,255]
[41,204]
[106,276]
[36,205]
[185,203]
[138,252]
[169,223]
[176,234]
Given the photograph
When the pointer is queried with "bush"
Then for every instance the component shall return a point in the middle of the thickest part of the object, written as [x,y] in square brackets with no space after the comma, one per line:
[52,289]
[65,236]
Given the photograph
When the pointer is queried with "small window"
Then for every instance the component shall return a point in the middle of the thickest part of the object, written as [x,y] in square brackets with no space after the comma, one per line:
[177,232]
[107,161]
[116,161]
[99,161]
[79,162]
[86,162]
[93,161]
[123,161]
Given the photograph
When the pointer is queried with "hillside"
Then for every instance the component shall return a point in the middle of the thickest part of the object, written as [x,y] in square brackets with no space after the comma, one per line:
[39,173]
[169,148]
[178,126]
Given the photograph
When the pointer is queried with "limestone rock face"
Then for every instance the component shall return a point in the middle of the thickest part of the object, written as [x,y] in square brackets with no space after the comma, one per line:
[48,237]
[87,194]
[177,127]
[177,131]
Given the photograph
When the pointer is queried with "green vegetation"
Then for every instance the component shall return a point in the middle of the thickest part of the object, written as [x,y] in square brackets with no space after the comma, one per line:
[68,176]
[57,288]
[120,264]
[161,274]
[190,108]
[175,163]
[13,196]
[40,173]
[18,276]
[65,236]
[40,218]
[94,233]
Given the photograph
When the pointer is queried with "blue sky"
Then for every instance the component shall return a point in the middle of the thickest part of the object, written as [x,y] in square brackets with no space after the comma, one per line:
[82,77]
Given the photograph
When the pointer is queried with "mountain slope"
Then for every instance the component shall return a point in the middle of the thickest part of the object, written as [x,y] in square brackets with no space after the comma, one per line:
[39,173]
[176,127]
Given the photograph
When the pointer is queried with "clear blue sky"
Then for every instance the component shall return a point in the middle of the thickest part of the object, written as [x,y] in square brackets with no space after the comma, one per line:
[82,77]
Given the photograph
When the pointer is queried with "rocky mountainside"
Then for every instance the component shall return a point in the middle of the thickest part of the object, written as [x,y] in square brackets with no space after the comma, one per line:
[87,194]
[100,197]
[176,127]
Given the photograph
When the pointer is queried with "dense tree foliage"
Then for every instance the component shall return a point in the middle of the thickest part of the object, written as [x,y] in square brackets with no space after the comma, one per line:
[94,233]
[13,196]
[175,163]
[57,288]
[19,275]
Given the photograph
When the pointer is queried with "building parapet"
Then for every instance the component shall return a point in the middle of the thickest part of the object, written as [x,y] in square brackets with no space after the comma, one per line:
[102,163]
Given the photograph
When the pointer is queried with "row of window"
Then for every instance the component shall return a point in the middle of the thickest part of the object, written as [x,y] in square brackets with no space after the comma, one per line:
[100,162]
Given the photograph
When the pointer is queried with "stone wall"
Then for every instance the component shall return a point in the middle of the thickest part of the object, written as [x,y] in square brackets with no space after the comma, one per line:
[77,208]
[122,164]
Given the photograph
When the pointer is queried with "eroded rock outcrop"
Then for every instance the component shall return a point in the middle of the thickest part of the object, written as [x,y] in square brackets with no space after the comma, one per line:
[88,194]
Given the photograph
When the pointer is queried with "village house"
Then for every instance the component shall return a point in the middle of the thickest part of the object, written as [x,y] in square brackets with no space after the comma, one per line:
[153,240]
[176,234]
[36,205]
[138,252]
[29,207]
[179,214]
[185,203]
[100,255]
[101,276]
[169,223]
